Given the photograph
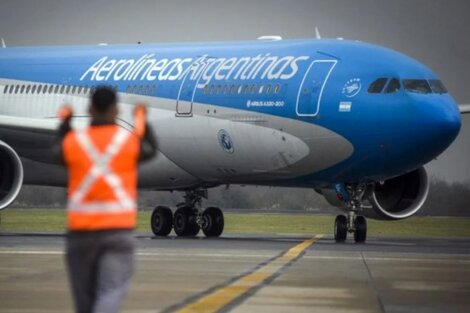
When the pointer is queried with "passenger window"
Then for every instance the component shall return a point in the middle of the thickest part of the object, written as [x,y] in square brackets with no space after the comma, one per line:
[56,90]
[393,86]
[205,90]
[51,88]
[246,89]
[232,89]
[28,88]
[416,86]
[437,86]
[5,89]
[11,88]
[240,88]
[377,85]
[260,90]
[33,89]
[253,88]
[22,88]
[67,90]
[219,89]
[212,89]
[277,89]
[17,88]
[268,89]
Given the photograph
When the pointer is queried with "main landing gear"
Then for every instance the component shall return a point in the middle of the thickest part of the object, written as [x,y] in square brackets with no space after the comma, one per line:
[352,222]
[188,218]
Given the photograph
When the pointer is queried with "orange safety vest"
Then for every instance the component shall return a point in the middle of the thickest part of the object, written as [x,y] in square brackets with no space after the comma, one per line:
[102,167]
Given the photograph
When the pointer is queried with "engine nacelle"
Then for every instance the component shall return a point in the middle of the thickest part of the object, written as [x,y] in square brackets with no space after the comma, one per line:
[11,175]
[399,197]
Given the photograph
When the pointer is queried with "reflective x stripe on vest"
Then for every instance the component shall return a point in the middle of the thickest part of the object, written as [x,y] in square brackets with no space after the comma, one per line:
[101,168]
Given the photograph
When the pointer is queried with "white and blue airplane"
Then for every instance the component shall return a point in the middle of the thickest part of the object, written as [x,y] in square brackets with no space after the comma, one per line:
[353,121]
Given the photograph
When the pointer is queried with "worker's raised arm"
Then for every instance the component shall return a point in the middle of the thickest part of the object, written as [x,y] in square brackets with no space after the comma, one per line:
[65,114]
[148,143]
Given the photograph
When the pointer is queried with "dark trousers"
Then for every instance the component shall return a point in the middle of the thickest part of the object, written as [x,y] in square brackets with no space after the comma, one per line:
[100,265]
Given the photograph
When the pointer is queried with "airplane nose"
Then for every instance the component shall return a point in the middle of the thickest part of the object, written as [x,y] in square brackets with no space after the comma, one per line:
[441,124]
[448,121]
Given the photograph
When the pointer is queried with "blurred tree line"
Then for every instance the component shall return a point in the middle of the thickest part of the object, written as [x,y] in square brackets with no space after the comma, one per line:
[445,199]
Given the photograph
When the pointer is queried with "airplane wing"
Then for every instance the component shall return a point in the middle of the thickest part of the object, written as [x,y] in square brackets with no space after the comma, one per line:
[28,124]
[464,108]
[30,137]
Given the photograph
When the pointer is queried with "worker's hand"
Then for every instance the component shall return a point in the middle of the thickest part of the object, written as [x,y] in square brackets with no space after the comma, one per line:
[140,108]
[65,112]
[140,119]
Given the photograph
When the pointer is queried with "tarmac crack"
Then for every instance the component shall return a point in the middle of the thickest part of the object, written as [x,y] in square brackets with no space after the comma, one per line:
[372,282]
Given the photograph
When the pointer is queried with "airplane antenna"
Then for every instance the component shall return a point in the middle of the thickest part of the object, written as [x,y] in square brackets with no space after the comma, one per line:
[3,43]
[270,37]
[317,33]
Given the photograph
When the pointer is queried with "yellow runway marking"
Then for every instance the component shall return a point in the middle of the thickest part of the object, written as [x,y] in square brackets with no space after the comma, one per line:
[223,296]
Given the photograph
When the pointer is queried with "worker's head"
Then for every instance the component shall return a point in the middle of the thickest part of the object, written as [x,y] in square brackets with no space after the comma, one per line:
[103,106]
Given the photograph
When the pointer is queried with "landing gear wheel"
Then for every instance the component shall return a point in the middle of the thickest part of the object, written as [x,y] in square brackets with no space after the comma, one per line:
[341,228]
[161,221]
[360,225]
[185,223]
[213,222]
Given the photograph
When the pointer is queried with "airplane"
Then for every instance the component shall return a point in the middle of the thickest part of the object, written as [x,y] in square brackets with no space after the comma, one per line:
[353,121]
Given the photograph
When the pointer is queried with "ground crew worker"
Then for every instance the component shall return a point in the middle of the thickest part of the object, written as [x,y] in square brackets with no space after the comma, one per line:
[101,211]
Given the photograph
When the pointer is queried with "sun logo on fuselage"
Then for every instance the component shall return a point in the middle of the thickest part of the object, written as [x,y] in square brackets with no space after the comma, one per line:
[225,141]
[352,87]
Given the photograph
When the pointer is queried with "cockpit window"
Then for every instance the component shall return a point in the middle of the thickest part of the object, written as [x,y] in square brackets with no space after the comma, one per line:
[437,86]
[378,85]
[417,86]
[393,86]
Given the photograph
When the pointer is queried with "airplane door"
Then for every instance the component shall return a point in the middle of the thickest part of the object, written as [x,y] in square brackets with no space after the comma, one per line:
[311,88]
[184,102]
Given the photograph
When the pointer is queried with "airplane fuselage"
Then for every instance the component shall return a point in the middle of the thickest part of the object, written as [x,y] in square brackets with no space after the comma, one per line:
[283,113]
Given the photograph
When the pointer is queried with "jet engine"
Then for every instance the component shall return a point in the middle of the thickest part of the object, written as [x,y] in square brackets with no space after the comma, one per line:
[393,199]
[11,175]
[398,197]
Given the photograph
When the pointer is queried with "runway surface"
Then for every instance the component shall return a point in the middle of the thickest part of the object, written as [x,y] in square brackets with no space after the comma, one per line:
[254,273]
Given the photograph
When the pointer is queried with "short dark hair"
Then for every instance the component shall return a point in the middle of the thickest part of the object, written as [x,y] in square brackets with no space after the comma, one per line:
[103,98]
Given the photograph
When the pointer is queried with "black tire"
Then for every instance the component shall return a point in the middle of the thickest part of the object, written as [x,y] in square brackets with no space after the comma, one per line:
[341,228]
[184,222]
[161,221]
[213,222]
[360,225]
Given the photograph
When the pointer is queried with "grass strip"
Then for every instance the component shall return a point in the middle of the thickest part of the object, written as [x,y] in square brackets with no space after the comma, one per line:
[48,220]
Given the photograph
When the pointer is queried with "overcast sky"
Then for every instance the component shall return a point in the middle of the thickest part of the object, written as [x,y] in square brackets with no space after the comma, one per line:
[434,32]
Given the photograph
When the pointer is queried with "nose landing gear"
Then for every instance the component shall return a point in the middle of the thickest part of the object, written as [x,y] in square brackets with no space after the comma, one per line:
[351,223]
[188,218]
